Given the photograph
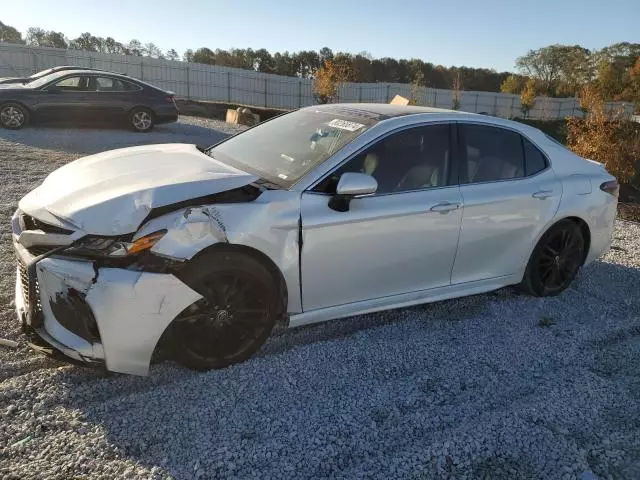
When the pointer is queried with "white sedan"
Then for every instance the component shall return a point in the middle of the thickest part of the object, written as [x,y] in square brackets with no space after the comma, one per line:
[325,212]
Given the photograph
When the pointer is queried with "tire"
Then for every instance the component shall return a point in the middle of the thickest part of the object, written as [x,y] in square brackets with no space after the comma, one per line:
[13,116]
[555,261]
[235,317]
[141,119]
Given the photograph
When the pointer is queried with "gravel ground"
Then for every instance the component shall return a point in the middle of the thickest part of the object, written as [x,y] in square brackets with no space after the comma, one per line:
[499,386]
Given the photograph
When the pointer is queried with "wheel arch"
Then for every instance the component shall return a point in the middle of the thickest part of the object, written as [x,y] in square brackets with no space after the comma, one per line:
[259,256]
[146,107]
[276,273]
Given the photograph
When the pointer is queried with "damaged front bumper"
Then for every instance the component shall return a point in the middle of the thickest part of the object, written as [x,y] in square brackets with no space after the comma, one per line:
[97,315]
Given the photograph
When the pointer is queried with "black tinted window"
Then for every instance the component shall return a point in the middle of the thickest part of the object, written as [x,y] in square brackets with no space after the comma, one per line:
[492,153]
[535,161]
[409,160]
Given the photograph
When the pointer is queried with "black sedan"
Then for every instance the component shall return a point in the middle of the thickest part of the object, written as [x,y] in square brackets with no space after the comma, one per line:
[86,96]
[40,74]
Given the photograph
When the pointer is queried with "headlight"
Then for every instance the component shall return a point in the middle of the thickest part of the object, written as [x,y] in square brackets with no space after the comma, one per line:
[114,247]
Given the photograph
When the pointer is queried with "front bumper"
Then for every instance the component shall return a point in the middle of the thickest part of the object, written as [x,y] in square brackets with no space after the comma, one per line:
[97,315]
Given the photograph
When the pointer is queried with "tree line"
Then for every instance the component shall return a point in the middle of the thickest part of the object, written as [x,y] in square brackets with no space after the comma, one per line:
[555,70]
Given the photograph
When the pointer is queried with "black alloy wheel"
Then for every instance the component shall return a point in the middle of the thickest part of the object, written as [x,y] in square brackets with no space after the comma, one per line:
[234,317]
[555,261]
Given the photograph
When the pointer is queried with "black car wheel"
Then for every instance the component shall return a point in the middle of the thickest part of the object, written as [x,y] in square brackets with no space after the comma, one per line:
[141,119]
[555,260]
[234,318]
[13,116]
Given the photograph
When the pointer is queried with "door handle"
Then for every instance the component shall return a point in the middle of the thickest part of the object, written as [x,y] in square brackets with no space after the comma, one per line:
[444,207]
[542,194]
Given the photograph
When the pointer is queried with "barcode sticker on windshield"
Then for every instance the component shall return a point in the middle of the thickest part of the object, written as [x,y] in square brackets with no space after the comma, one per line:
[345,125]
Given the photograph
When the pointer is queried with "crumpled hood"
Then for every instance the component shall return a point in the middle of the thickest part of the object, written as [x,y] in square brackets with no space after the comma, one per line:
[111,193]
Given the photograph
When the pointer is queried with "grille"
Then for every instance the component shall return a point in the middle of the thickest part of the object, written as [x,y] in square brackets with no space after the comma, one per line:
[24,280]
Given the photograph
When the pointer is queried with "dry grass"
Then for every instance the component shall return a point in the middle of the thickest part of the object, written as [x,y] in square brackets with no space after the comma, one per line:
[605,137]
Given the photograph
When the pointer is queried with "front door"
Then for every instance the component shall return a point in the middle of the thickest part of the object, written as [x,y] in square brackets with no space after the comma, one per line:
[65,100]
[400,240]
[510,193]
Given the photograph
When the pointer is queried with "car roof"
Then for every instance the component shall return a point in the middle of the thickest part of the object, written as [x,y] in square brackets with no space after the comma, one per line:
[394,114]
[93,71]
[382,111]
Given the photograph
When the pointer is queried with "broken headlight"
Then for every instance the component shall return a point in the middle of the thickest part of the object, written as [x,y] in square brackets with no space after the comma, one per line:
[113,247]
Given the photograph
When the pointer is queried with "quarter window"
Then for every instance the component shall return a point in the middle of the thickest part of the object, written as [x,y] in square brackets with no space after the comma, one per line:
[413,159]
[535,161]
[492,154]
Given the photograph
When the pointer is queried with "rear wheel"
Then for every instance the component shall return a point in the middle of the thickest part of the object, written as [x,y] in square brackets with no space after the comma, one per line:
[13,116]
[141,119]
[555,261]
[234,318]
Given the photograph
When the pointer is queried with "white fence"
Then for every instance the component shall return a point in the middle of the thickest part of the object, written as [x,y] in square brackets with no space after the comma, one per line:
[232,85]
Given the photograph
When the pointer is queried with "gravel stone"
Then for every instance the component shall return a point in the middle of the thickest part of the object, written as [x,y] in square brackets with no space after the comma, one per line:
[468,388]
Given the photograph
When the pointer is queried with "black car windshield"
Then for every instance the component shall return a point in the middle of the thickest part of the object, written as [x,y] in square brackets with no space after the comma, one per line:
[286,148]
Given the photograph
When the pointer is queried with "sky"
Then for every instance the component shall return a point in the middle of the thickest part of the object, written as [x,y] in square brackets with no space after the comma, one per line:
[473,33]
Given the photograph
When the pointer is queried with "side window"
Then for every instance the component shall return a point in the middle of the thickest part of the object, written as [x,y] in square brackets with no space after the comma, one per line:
[492,153]
[413,159]
[72,84]
[535,161]
[106,84]
[129,87]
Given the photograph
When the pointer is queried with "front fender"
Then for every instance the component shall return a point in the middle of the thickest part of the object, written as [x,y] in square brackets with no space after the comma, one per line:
[269,224]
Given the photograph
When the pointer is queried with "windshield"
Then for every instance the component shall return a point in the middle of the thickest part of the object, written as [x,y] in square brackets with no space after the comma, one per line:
[286,148]
[41,73]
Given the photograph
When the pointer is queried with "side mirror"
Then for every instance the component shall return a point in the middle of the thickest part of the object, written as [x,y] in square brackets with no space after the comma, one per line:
[352,185]
[53,89]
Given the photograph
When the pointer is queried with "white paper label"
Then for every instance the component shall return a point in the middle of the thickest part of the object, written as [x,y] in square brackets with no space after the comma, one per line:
[345,125]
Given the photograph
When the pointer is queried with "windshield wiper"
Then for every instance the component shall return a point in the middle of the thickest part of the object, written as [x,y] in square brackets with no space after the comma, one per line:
[264,183]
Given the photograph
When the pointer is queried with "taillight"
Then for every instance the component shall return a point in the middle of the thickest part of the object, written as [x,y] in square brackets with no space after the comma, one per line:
[168,99]
[612,187]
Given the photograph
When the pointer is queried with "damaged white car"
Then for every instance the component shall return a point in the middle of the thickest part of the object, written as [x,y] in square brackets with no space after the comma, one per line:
[325,212]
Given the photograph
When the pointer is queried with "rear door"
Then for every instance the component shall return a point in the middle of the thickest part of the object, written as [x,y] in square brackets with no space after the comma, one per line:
[402,239]
[111,97]
[509,193]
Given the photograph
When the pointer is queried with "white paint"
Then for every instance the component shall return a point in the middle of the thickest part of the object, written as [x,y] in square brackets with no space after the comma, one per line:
[124,185]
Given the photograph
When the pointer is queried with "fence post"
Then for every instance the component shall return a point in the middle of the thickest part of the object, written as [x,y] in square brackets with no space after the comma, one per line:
[299,93]
[141,69]
[560,109]
[388,88]
[360,93]
[265,91]
[229,86]
[513,104]
[475,108]
[188,81]
[495,105]
[435,97]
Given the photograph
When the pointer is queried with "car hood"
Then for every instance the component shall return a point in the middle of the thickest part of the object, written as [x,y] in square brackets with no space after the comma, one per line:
[111,193]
